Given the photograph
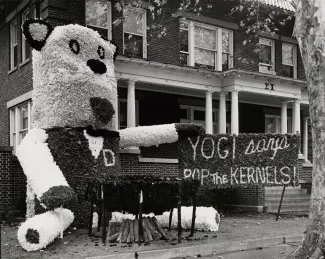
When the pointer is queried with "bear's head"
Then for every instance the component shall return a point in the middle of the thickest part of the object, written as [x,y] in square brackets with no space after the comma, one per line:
[74,83]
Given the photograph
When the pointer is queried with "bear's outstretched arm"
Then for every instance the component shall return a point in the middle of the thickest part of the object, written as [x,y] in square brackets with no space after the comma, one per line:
[43,175]
[147,136]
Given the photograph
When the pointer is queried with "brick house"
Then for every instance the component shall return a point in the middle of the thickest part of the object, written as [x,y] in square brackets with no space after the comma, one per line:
[199,71]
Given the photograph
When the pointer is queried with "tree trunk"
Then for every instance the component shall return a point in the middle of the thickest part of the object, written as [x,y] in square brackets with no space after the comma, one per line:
[310,33]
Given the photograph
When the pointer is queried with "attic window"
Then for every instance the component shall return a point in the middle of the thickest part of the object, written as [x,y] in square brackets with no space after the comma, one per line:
[99,17]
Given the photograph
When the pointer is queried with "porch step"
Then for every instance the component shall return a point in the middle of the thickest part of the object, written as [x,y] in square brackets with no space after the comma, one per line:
[295,199]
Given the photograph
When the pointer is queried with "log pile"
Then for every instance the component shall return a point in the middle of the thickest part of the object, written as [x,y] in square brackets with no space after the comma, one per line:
[128,231]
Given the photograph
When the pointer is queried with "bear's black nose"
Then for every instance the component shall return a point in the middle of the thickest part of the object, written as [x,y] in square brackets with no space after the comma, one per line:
[97,66]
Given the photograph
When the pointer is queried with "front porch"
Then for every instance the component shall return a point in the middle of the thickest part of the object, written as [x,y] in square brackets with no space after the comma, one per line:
[233,102]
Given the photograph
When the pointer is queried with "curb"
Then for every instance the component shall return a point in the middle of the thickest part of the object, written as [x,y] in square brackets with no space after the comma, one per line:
[206,249]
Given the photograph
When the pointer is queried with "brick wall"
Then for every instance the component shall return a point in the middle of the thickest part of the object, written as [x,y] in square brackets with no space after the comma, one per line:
[12,182]
[131,165]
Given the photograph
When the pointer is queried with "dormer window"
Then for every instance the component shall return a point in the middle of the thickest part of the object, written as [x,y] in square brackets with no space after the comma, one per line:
[266,56]
[205,46]
[289,60]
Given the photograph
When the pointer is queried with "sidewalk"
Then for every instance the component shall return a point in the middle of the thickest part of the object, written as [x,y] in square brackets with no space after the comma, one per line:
[237,232]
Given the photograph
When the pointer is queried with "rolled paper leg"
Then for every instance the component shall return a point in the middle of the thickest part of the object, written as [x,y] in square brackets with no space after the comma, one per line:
[30,201]
[41,230]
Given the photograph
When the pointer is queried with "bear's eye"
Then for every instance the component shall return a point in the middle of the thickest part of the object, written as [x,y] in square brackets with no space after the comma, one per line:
[101,52]
[74,46]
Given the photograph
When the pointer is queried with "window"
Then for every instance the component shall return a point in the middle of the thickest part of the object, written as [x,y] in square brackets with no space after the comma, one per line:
[183,44]
[134,31]
[25,48]
[266,56]
[20,123]
[123,111]
[13,44]
[99,18]
[289,60]
[191,114]
[273,124]
[205,46]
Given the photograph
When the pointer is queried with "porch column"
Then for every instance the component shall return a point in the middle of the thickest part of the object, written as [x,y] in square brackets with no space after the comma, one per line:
[234,113]
[208,113]
[284,119]
[222,113]
[296,105]
[305,139]
[131,104]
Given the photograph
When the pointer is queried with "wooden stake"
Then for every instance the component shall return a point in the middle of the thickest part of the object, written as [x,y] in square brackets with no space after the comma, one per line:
[141,232]
[136,230]
[279,209]
[193,215]
[179,206]
[104,233]
[170,219]
[121,231]
[161,231]
[90,226]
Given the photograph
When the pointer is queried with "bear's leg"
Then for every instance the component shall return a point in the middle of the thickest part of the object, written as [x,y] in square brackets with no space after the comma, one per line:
[41,230]
[43,174]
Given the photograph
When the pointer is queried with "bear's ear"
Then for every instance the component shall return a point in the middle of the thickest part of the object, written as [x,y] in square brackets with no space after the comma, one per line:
[36,32]
[116,48]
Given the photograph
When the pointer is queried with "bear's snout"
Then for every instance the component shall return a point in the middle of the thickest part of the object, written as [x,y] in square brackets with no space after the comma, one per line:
[96,66]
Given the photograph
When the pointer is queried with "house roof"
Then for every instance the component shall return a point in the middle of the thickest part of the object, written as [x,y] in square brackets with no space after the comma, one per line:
[284,4]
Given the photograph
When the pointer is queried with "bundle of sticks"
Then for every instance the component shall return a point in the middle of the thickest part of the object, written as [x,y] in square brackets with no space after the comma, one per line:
[128,231]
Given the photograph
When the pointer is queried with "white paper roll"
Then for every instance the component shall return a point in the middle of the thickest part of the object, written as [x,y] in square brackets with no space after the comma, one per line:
[46,226]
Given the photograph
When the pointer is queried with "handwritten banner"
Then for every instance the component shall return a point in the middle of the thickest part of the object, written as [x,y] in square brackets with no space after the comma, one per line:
[246,159]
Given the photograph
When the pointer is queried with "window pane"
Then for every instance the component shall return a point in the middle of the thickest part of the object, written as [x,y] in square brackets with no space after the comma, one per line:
[204,58]
[14,33]
[269,125]
[123,115]
[133,45]
[199,115]
[287,55]
[102,32]
[27,50]
[133,21]
[265,54]
[184,113]
[265,42]
[22,135]
[15,55]
[183,35]
[225,41]
[24,117]
[287,71]
[14,120]
[96,12]
[183,59]
[205,38]
[265,69]
[225,61]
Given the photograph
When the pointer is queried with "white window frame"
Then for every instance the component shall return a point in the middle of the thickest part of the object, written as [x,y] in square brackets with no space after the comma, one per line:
[190,114]
[294,49]
[144,33]
[109,21]
[136,112]
[15,129]
[272,65]
[277,123]
[218,50]
[13,24]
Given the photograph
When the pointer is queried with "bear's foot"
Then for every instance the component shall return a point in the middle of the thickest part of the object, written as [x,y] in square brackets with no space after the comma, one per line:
[32,236]
[57,196]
